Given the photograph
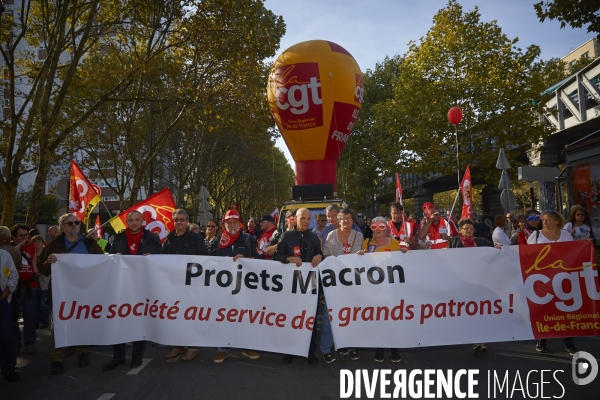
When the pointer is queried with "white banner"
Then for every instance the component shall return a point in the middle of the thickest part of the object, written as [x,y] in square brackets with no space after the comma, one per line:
[183,300]
[425,298]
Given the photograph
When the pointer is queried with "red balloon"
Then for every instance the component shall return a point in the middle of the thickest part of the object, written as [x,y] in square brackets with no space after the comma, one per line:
[455,115]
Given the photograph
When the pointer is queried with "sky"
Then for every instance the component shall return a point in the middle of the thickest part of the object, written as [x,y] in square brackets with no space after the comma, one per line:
[373,29]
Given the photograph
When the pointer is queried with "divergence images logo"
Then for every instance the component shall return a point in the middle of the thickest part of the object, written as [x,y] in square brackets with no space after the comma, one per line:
[584,364]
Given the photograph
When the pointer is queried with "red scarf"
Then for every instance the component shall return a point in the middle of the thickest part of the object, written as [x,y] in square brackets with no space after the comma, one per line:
[468,242]
[227,240]
[133,241]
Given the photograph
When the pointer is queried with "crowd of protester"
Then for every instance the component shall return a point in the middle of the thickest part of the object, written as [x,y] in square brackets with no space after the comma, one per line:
[26,259]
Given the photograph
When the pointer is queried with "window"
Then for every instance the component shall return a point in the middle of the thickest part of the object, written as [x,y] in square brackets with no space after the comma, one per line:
[42,54]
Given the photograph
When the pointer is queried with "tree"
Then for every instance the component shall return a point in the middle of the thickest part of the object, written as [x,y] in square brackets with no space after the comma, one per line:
[464,62]
[199,100]
[372,154]
[576,13]
[52,96]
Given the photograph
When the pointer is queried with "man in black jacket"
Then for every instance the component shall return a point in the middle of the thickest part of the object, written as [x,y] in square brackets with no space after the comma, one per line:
[184,241]
[134,240]
[237,244]
[70,241]
[298,246]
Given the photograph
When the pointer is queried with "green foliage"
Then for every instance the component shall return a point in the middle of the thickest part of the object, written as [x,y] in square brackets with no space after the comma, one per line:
[464,62]
[372,154]
[575,13]
[49,208]
[112,66]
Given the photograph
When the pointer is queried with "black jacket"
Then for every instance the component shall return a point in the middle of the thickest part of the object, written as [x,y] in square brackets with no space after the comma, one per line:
[245,245]
[193,244]
[307,242]
[150,244]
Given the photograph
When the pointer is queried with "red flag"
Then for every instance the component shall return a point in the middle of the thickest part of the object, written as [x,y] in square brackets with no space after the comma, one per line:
[98,225]
[466,190]
[398,190]
[157,214]
[83,195]
[275,215]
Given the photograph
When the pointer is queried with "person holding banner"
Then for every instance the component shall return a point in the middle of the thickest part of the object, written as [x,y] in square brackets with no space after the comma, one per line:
[552,232]
[70,241]
[237,244]
[183,241]
[434,229]
[467,239]
[295,247]
[401,229]
[343,240]
[381,242]
[134,240]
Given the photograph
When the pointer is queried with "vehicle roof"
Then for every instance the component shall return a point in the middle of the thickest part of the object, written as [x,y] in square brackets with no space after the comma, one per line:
[294,205]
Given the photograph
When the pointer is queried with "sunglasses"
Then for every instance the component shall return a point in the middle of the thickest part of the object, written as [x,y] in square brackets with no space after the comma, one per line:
[292,218]
[212,226]
[378,227]
[71,223]
[580,215]
[532,218]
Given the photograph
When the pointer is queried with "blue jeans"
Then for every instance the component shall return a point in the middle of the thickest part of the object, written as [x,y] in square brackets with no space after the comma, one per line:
[28,307]
[43,310]
[326,334]
[8,351]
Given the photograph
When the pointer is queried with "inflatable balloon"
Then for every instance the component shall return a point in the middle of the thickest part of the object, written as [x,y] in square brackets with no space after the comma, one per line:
[315,93]
[455,115]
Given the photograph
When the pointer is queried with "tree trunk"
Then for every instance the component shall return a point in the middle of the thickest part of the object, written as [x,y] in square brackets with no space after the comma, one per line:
[39,188]
[9,194]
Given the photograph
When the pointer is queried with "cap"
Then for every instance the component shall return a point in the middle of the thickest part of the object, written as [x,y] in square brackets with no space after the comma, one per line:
[427,205]
[267,217]
[231,214]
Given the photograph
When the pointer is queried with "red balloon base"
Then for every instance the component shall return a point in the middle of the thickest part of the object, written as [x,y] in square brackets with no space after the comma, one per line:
[312,172]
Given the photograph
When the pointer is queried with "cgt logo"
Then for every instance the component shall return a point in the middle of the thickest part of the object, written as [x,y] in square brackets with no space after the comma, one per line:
[584,368]
[298,87]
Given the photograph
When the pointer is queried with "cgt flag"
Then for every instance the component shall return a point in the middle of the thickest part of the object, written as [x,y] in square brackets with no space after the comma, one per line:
[157,214]
[398,190]
[83,195]
[275,215]
[466,189]
[98,226]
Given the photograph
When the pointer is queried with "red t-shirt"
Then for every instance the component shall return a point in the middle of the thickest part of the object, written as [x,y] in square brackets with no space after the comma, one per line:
[26,271]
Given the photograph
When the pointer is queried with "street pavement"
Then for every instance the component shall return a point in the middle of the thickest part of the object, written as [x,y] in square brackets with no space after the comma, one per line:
[268,378]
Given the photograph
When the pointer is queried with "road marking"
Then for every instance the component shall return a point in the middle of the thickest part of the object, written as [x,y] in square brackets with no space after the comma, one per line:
[106,396]
[174,359]
[135,371]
